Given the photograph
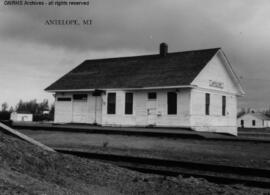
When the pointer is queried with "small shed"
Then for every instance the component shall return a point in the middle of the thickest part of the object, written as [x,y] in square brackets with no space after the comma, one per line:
[253,120]
[27,117]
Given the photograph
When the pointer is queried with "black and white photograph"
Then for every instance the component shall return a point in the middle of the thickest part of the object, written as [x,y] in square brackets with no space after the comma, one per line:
[134,97]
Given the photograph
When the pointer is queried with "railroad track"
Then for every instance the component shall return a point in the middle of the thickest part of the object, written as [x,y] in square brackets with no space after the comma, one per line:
[221,174]
[155,133]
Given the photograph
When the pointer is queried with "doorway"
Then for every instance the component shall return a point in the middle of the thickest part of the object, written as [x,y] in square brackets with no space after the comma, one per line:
[242,123]
[79,114]
[151,109]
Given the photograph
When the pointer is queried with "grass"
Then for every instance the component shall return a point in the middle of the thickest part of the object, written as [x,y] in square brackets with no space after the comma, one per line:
[246,154]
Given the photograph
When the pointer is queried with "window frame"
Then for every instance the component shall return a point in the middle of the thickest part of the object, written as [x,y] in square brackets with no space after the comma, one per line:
[129,99]
[253,123]
[149,94]
[111,103]
[242,122]
[224,105]
[80,97]
[64,99]
[207,103]
[172,103]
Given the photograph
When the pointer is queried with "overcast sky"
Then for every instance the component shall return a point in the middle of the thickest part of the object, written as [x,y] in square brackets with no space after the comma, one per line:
[33,55]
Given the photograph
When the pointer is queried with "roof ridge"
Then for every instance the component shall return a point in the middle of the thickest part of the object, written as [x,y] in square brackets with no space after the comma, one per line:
[151,55]
[259,114]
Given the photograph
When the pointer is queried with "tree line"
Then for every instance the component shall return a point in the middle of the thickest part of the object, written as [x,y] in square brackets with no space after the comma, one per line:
[41,110]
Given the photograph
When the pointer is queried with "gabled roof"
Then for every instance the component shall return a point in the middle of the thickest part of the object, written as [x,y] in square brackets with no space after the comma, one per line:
[257,115]
[174,69]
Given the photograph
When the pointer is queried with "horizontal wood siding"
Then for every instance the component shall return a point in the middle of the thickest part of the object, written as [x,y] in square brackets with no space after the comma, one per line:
[65,113]
[248,118]
[215,121]
[119,118]
[140,114]
[181,119]
[63,109]
[215,71]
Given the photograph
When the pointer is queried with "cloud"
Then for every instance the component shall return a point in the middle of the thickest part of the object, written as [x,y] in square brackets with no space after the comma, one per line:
[120,25]
[126,27]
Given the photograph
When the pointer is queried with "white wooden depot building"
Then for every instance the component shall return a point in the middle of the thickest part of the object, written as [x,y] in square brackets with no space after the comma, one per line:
[192,89]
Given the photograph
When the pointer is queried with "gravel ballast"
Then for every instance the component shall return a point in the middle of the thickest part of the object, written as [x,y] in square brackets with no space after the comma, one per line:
[27,169]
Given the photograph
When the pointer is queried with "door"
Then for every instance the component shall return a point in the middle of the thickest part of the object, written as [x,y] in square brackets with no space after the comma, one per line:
[79,114]
[63,110]
[242,123]
[98,109]
[151,112]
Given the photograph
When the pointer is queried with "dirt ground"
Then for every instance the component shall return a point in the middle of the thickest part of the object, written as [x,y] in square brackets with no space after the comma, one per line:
[254,133]
[257,130]
[27,169]
[246,154]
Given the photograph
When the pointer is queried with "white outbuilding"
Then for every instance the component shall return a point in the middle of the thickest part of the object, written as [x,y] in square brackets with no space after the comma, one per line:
[26,117]
[192,89]
[253,120]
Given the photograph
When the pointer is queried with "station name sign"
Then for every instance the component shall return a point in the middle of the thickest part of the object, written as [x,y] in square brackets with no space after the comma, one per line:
[216,84]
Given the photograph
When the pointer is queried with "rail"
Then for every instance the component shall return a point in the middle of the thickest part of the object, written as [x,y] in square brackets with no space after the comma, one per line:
[222,174]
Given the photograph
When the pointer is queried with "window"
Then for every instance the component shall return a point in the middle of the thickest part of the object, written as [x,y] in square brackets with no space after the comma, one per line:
[172,102]
[253,123]
[223,105]
[207,103]
[97,92]
[129,103]
[111,103]
[152,96]
[64,99]
[80,96]
[242,123]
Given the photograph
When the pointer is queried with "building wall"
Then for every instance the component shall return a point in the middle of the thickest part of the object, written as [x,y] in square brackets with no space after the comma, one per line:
[215,71]
[215,121]
[182,118]
[248,118]
[215,80]
[267,123]
[190,110]
[21,117]
[78,111]
[141,104]
[119,118]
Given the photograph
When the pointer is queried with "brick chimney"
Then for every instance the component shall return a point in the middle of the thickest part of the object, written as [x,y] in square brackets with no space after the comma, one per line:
[163,49]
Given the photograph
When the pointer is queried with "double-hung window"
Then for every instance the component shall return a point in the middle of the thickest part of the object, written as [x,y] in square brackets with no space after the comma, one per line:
[223,105]
[129,103]
[207,104]
[172,103]
[111,103]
